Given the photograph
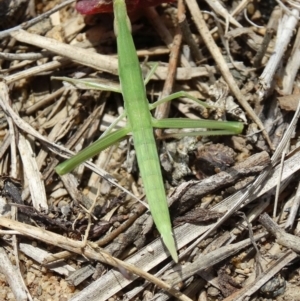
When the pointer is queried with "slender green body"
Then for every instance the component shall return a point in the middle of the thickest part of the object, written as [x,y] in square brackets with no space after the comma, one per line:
[139,120]
[141,123]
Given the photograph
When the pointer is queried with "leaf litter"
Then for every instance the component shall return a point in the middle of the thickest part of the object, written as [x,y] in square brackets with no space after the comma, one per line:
[64,234]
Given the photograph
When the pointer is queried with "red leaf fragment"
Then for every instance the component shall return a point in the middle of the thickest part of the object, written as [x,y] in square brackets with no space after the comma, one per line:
[90,7]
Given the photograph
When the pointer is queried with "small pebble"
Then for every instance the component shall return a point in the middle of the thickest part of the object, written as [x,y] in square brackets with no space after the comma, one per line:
[65,210]
[28,263]
[212,291]
[235,231]
[239,279]
[116,224]
[274,287]
[267,246]
[30,278]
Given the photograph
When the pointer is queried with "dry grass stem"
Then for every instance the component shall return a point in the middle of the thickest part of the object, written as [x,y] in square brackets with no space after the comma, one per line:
[79,248]
[13,277]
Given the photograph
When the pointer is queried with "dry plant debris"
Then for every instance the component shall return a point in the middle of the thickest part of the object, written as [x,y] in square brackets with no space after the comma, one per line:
[60,237]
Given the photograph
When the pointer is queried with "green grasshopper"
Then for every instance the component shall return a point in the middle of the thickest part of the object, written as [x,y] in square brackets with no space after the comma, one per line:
[141,123]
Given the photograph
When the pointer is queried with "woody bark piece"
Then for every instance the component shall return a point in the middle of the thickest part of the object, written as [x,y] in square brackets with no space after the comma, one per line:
[283,238]
[188,194]
[207,260]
